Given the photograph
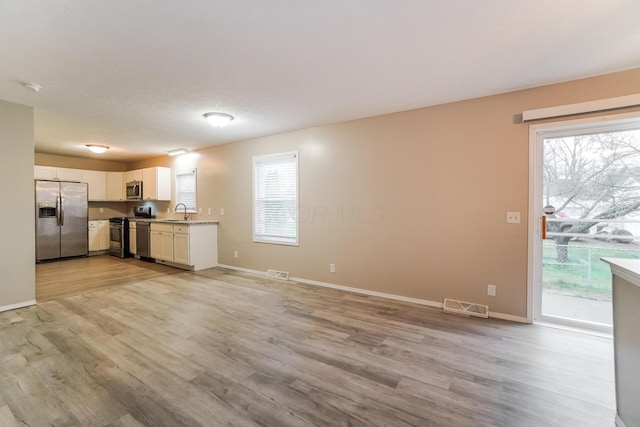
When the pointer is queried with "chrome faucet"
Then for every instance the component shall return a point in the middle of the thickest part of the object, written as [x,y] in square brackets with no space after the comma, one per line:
[186,216]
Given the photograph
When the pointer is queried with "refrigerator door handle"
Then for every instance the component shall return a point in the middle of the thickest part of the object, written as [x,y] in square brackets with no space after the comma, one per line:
[61,210]
[58,210]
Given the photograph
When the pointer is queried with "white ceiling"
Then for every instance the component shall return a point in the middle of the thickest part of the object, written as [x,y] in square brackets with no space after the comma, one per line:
[138,75]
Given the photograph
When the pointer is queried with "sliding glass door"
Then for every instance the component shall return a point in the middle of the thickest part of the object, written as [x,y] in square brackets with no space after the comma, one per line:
[588,205]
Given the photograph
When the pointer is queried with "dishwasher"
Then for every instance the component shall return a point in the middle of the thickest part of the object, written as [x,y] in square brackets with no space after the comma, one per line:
[143,236]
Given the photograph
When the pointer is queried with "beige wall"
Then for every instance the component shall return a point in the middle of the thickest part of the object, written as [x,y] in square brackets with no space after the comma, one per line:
[17,253]
[44,159]
[412,203]
[148,163]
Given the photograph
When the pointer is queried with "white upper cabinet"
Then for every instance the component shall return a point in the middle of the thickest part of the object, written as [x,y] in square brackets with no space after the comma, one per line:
[44,172]
[97,181]
[156,183]
[110,186]
[65,174]
[115,186]
[53,173]
[135,175]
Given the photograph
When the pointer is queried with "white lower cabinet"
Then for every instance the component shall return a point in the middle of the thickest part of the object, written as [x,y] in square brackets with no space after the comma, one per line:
[181,245]
[103,232]
[93,236]
[161,241]
[98,235]
[188,246]
[162,245]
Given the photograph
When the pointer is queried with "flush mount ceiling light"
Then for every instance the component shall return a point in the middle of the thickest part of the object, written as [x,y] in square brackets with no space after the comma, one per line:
[178,152]
[98,149]
[31,86]
[218,119]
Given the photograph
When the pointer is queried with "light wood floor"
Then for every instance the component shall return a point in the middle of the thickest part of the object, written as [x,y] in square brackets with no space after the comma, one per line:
[64,278]
[219,348]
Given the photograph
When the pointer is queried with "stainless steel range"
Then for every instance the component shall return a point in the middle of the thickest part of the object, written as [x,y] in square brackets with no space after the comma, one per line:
[119,237]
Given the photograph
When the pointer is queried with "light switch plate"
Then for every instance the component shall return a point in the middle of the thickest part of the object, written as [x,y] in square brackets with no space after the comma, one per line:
[513,217]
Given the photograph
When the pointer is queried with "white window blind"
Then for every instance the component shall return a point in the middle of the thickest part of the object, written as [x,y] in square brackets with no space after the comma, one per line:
[275,198]
[186,188]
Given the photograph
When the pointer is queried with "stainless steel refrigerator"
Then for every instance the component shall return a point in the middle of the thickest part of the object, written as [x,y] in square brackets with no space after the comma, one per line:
[61,219]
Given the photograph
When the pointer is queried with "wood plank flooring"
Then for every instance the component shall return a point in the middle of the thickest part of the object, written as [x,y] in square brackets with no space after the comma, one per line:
[63,278]
[220,348]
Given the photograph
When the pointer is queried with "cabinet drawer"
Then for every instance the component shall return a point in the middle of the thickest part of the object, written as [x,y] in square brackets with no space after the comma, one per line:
[182,229]
[158,226]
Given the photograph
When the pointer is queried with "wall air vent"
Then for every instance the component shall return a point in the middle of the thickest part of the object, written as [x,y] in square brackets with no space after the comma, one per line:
[282,275]
[465,308]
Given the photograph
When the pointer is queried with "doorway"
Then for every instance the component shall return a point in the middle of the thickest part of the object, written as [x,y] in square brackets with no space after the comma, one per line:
[584,205]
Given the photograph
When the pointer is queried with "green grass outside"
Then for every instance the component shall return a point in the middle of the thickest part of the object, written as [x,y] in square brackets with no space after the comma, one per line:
[574,277]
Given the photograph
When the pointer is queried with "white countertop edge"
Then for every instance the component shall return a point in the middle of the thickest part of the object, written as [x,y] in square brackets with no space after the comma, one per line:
[627,269]
[179,221]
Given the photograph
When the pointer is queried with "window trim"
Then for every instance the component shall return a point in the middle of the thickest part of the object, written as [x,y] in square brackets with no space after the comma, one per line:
[275,241]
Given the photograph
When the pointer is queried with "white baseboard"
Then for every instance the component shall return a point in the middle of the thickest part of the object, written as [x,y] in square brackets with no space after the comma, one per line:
[244,270]
[368,292]
[619,422]
[509,317]
[17,305]
[428,303]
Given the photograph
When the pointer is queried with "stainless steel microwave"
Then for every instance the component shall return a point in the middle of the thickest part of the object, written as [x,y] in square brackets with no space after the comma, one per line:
[134,190]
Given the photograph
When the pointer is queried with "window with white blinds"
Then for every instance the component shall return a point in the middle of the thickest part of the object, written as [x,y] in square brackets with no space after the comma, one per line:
[186,188]
[275,198]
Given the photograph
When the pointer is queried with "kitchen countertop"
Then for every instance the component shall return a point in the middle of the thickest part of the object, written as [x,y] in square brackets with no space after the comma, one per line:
[628,269]
[177,221]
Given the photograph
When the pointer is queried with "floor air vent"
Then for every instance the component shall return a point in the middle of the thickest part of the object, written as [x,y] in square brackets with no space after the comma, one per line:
[466,308]
[282,275]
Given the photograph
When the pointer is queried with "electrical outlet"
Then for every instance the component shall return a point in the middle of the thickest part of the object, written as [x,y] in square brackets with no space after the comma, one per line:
[221,211]
[209,211]
[199,211]
[513,217]
[101,210]
[235,254]
[332,268]
[491,290]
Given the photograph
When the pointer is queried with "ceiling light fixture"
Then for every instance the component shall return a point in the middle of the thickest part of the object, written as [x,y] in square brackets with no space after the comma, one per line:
[98,149]
[218,119]
[32,86]
[178,152]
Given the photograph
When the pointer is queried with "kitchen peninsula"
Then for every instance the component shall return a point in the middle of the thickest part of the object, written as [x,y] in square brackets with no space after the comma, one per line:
[626,339]
[187,244]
